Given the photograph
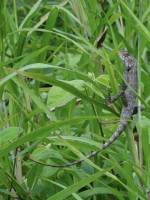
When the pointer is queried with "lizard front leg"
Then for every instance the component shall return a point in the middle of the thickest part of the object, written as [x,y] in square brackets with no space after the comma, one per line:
[111,99]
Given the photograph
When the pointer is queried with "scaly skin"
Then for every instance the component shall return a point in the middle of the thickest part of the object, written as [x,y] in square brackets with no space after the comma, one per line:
[129,100]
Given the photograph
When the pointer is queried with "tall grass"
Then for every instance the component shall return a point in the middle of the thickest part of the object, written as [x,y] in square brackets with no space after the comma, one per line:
[54,79]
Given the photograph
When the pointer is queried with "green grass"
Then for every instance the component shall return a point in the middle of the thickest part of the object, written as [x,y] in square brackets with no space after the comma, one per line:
[53,85]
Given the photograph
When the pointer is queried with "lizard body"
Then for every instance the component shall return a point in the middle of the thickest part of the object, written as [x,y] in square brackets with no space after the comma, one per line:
[129,104]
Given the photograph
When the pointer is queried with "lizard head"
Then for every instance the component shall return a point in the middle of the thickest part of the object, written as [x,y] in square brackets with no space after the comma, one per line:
[123,55]
[128,60]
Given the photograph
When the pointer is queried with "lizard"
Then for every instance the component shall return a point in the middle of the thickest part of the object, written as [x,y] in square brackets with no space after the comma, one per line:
[129,108]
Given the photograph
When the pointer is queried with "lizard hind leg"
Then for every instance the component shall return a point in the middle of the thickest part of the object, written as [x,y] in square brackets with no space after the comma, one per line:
[136,108]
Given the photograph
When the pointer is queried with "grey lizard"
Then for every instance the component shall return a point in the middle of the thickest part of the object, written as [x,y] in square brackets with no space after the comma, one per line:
[129,105]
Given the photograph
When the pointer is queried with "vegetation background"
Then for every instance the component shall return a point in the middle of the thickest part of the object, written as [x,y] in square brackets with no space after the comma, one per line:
[54,78]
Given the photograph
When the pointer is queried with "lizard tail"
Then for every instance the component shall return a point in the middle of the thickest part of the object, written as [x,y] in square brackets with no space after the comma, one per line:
[121,127]
[115,135]
[94,153]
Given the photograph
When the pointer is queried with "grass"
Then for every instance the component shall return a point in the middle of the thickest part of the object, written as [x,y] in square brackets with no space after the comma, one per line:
[54,78]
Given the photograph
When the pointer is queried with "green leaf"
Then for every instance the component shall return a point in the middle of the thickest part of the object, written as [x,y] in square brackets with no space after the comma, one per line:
[8,135]
[104,80]
[42,132]
[32,11]
[75,187]
[58,97]
[136,22]
[45,152]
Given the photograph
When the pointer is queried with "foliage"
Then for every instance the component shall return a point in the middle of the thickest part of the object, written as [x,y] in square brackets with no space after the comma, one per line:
[54,78]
